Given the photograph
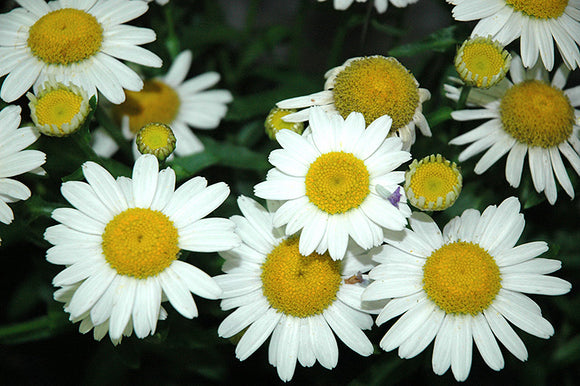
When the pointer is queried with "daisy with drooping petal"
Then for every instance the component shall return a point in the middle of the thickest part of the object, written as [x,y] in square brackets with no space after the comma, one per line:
[374,86]
[463,286]
[14,160]
[58,110]
[482,62]
[380,5]
[302,302]
[177,103]
[65,295]
[78,42]
[432,183]
[532,116]
[121,244]
[327,179]
[538,23]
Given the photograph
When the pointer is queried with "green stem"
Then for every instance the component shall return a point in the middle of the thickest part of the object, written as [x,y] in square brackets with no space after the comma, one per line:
[463,97]
[172,42]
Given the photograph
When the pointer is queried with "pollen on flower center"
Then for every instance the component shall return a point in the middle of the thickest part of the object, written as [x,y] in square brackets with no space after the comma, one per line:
[297,285]
[461,278]
[542,9]
[156,102]
[375,86]
[140,242]
[65,36]
[537,114]
[337,182]
[57,107]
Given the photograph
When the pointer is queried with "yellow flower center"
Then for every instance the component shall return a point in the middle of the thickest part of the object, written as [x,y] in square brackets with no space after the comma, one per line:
[156,102]
[140,242]
[156,139]
[275,122]
[461,278]
[433,183]
[482,62]
[57,107]
[65,36]
[376,86]
[297,285]
[337,182]
[542,9]
[537,114]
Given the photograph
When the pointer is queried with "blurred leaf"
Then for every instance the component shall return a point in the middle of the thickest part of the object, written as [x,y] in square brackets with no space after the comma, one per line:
[568,352]
[439,41]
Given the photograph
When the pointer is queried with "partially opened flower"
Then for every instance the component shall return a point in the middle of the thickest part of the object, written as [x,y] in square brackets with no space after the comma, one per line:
[14,160]
[275,122]
[538,23]
[482,62]
[78,42]
[59,110]
[121,246]
[172,101]
[432,183]
[156,139]
[373,86]
[463,285]
[532,116]
[299,302]
[380,5]
[327,179]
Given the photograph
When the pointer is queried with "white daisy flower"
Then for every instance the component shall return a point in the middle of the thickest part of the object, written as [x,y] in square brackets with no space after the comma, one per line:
[380,5]
[297,300]
[14,160]
[122,240]
[531,116]
[374,86]
[327,178]
[537,22]
[177,103]
[463,286]
[74,41]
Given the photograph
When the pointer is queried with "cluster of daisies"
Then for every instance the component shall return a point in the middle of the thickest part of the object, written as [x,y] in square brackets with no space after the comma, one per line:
[337,242]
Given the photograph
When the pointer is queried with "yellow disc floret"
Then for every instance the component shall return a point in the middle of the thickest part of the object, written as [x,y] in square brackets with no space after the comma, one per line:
[65,36]
[482,62]
[337,182]
[537,114]
[375,86]
[156,102]
[274,122]
[461,278]
[433,183]
[542,9]
[156,139]
[140,242]
[297,285]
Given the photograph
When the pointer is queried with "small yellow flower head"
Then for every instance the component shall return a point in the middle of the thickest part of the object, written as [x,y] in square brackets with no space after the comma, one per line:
[274,122]
[432,183]
[482,62]
[59,110]
[156,139]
